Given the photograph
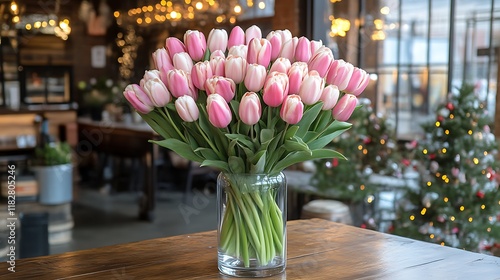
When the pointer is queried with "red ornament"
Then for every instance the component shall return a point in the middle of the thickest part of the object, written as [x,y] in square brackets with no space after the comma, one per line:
[406,162]
[440,118]
[363,225]
[432,156]
[480,194]
[450,106]
[367,140]
[335,162]
[455,230]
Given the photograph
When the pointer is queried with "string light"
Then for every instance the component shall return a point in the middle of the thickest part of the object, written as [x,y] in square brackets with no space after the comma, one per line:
[452,218]
[429,183]
[362,187]
[424,151]
[438,123]
[442,243]
[412,217]
[462,208]
[476,161]
[443,150]
[470,219]
[431,236]
[483,207]
[452,116]
[424,210]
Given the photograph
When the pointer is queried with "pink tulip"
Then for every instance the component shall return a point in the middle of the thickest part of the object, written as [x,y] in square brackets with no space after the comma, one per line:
[217,53]
[196,44]
[303,50]
[311,88]
[281,64]
[292,110]
[138,99]
[149,75]
[219,113]
[240,50]
[217,40]
[345,107]
[187,109]
[235,68]
[250,108]
[339,74]
[157,92]
[223,86]
[315,46]
[259,51]
[252,32]
[321,61]
[358,82]
[297,72]
[162,61]
[288,49]
[179,83]
[200,73]
[329,96]
[173,46]
[255,77]
[183,61]
[275,39]
[236,37]
[218,64]
[275,89]
[285,35]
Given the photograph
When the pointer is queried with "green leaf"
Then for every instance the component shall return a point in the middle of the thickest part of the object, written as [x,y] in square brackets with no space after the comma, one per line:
[242,140]
[334,130]
[217,164]
[296,157]
[308,118]
[207,153]
[260,164]
[296,144]
[291,132]
[266,134]
[236,164]
[179,147]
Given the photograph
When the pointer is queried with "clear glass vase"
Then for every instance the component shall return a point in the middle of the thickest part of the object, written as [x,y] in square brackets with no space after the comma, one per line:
[251,213]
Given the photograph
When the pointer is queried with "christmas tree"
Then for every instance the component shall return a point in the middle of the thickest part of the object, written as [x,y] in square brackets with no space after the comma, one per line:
[458,202]
[370,146]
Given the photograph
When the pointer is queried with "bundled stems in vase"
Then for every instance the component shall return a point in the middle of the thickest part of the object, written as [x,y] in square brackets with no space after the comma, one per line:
[252,225]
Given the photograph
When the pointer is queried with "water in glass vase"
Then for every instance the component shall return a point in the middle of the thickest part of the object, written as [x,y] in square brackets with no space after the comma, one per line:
[251,214]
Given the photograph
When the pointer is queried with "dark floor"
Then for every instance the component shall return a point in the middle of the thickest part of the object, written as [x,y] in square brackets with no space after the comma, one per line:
[105,219]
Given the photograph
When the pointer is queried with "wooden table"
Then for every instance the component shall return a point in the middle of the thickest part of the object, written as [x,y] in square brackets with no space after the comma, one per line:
[317,249]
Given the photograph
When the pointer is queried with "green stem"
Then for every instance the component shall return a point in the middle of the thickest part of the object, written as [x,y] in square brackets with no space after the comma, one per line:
[214,148]
[167,116]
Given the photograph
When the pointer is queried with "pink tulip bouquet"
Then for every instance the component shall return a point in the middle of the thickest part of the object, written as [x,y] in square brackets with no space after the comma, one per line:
[242,103]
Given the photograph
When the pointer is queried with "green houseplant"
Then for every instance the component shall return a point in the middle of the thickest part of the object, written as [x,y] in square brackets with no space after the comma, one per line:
[54,173]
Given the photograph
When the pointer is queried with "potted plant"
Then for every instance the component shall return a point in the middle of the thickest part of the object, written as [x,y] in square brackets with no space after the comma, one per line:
[54,173]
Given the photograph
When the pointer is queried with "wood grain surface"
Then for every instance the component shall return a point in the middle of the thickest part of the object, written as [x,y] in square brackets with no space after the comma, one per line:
[317,249]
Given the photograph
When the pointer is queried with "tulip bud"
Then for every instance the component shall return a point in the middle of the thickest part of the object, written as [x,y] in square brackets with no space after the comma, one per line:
[157,92]
[240,50]
[217,40]
[196,44]
[311,88]
[219,113]
[339,74]
[250,109]
[235,68]
[236,37]
[259,51]
[149,75]
[162,61]
[315,46]
[183,61]
[275,89]
[138,99]
[281,64]
[217,53]
[255,77]
[223,86]
[298,71]
[179,83]
[285,35]
[275,39]
[358,82]
[217,64]
[173,46]
[252,32]
[292,110]
[288,49]
[303,50]
[201,72]
[329,96]
[187,109]
[345,107]
[321,61]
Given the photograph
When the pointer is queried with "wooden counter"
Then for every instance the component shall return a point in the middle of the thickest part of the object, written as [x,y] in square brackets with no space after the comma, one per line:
[317,249]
